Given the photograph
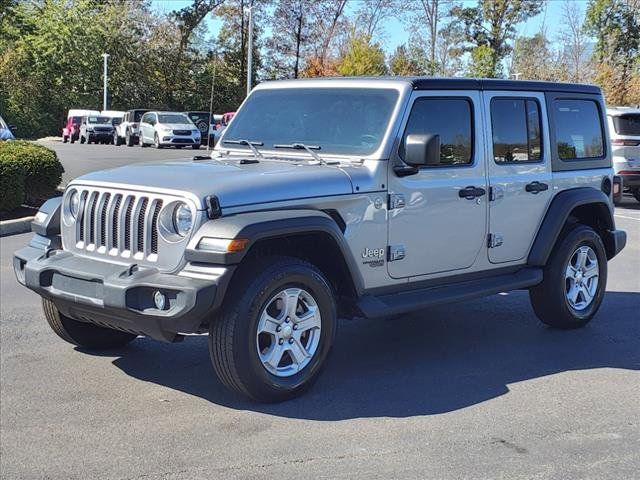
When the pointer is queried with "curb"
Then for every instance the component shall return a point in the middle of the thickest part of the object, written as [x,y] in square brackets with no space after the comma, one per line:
[16,226]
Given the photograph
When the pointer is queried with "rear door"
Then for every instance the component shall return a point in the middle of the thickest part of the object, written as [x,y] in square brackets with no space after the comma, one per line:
[519,166]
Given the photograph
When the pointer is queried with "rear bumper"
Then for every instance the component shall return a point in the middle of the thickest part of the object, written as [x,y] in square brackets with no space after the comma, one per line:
[117,296]
[630,180]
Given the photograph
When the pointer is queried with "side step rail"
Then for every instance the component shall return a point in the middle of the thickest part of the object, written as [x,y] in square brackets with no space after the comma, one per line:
[373,306]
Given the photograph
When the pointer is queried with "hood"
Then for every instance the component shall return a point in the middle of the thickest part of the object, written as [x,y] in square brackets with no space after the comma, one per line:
[234,184]
[178,126]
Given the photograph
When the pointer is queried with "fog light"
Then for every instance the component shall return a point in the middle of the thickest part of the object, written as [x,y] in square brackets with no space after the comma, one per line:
[159,299]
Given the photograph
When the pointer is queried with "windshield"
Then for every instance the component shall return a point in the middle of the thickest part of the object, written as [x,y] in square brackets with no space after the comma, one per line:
[172,118]
[627,124]
[99,119]
[76,120]
[348,121]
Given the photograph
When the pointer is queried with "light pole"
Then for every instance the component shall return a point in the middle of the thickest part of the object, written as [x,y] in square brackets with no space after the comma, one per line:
[250,48]
[104,97]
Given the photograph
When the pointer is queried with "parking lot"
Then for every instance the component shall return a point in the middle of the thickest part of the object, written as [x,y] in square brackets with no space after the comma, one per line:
[473,390]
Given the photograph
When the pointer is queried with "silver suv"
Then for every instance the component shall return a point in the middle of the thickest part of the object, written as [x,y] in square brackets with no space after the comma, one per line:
[624,128]
[336,198]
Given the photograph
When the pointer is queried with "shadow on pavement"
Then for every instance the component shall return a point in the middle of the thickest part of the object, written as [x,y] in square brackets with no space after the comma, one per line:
[431,362]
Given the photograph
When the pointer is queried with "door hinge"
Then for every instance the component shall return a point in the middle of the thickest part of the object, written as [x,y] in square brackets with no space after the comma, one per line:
[495,193]
[396,252]
[396,200]
[494,240]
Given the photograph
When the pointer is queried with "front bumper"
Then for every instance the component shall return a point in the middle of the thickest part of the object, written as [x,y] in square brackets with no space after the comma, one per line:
[100,135]
[171,139]
[121,296]
[614,242]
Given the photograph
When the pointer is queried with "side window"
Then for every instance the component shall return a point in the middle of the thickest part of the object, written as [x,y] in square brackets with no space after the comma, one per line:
[578,129]
[144,119]
[515,123]
[451,118]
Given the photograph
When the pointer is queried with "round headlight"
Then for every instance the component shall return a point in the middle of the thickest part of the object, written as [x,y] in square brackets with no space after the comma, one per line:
[74,203]
[182,219]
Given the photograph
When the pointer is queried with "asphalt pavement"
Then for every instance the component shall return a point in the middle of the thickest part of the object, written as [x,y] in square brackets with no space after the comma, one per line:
[78,159]
[474,390]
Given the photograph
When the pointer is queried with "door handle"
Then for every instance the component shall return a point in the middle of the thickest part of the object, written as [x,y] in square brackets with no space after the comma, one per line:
[536,187]
[471,192]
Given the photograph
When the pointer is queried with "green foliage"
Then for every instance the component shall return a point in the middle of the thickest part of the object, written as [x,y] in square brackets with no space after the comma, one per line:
[489,27]
[11,183]
[616,26]
[362,58]
[407,61]
[483,63]
[29,172]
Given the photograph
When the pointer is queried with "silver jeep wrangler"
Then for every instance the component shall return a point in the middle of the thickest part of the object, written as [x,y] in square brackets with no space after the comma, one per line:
[336,198]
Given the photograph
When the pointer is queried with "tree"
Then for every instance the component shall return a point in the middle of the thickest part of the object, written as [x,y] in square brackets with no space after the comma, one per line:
[408,61]
[575,45]
[370,13]
[289,41]
[490,27]
[327,18]
[616,26]
[362,58]
[534,59]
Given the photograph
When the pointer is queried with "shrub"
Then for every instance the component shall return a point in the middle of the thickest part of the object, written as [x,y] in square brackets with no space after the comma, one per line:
[33,172]
[11,184]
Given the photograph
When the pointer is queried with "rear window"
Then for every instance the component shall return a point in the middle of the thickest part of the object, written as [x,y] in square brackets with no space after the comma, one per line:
[578,129]
[137,115]
[627,124]
[195,116]
[516,130]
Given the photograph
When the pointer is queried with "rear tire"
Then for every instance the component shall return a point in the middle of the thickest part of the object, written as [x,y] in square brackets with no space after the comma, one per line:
[129,140]
[65,139]
[636,194]
[574,281]
[83,334]
[272,351]
[82,140]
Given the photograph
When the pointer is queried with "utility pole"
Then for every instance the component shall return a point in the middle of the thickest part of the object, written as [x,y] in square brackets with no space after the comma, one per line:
[104,97]
[250,48]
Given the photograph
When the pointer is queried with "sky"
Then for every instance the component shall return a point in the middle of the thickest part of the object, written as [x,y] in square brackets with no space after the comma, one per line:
[395,33]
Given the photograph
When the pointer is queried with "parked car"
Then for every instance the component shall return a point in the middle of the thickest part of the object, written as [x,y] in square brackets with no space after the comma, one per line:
[207,128]
[127,131]
[224,121]
[71,129]
[624,128]
[337,198]
[168,129]
[96,129]
[7,132]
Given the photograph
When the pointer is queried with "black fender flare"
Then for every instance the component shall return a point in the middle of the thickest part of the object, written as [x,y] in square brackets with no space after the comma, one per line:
[557,214]
[257,226]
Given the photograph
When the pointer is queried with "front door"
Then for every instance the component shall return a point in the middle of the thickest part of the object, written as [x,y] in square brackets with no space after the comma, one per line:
[438,216]
[519,169]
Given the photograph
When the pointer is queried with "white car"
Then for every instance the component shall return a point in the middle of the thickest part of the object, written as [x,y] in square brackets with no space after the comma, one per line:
[167,129]
[624,128]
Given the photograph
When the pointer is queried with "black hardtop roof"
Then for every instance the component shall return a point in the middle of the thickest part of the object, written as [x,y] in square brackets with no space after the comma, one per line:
[429,83]
[435,83]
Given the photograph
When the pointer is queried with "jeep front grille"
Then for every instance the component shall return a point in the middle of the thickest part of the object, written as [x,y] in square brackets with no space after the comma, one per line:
[121,224]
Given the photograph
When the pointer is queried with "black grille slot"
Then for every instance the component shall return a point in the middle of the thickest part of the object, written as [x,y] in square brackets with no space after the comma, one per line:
[182,132]
[103,220]
[81,214]
[114,221]
[92,219]
[127,225]
[154,227]
[143,210]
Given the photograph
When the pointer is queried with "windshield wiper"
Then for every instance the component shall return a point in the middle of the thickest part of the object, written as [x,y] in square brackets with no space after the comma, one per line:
[252,145]
[301,146]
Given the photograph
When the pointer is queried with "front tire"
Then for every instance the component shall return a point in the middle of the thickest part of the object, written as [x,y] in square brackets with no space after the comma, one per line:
[574,281]
[273,336]
[83,334]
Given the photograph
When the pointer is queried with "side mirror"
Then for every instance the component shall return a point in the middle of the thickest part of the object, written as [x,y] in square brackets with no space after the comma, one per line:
[13,129]
[422,149]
